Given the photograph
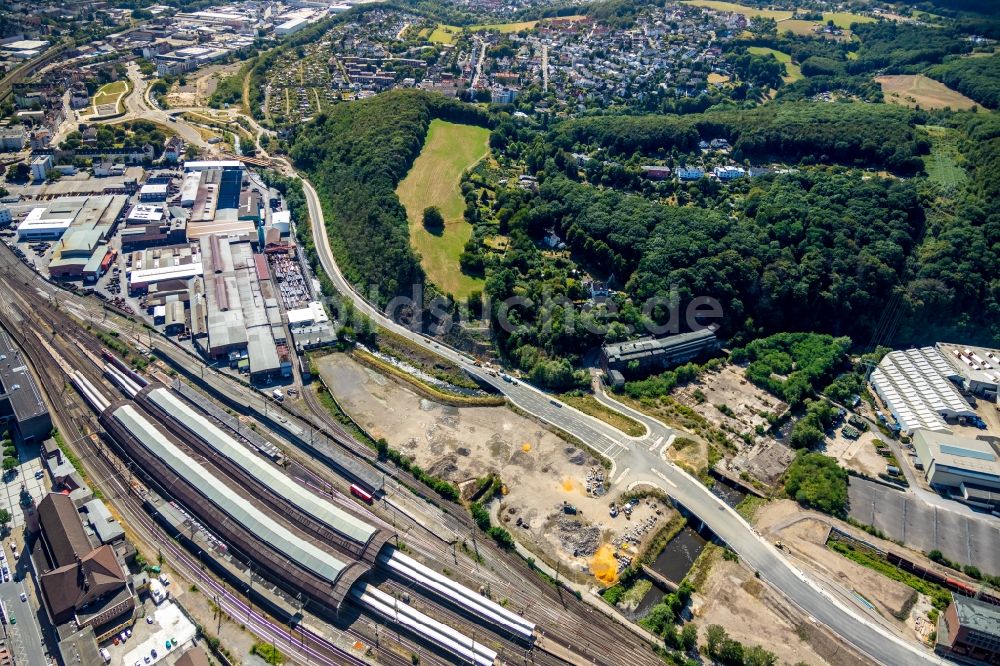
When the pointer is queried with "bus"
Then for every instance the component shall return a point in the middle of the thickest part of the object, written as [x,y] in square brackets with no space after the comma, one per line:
[361,493]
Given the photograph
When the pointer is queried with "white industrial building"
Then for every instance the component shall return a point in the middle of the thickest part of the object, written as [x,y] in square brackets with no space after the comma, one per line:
[282,221]
[38,226]
[917,387]
[313,313]
[290,27]
[967,468]
[144,214]
[978,368]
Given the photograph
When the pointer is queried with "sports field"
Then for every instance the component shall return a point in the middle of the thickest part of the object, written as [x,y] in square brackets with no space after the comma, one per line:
[110,95]
[919,90]
[434,180]
[792,71]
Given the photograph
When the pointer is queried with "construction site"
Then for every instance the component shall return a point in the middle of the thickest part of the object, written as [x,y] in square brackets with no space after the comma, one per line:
[557,499]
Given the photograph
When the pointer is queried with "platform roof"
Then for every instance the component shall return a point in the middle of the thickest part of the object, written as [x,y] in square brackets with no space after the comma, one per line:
[265,528]
[317,507]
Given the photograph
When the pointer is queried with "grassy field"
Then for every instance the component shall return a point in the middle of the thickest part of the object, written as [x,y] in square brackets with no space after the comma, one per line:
[719,6]
[434,180]
[918,90]
[793,73]
[783,16]
[942,164]
[110,93]
[845,19]
[588,405]
[446,34]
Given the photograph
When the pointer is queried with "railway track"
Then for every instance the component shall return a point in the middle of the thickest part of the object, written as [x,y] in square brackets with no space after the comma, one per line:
[78,353]
[562,616]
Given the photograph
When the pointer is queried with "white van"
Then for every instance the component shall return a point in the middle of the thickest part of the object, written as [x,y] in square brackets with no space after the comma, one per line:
[105,655]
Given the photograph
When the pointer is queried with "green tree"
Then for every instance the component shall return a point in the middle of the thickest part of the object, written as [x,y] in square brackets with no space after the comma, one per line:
[714,638]
[9,464]
[805,435]
[816,481]
[433,220]
[689,637]
[731,653]
[5,518]
[18,173]
[758,656]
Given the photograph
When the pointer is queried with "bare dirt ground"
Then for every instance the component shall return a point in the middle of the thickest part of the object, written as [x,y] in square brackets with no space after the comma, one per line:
[753,614]
[724,404]
[728,401]
[859,454]
[200,86]
[804,537]
[540,471]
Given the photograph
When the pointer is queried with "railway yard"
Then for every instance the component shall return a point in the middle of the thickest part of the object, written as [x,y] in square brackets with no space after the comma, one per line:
[358,583]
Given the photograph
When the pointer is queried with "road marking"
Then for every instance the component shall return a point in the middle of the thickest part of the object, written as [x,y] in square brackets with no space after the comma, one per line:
[663,451]
[664,477]
[622,475]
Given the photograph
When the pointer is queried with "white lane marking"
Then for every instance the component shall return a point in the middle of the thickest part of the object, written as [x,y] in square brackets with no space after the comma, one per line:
[622,475]
[666,446]
[664,477]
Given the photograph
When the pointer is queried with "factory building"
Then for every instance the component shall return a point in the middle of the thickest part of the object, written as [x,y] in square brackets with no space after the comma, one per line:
[50,222]
[977,369]
[918,388]
[966,468]
[144,214]
[969,632]
[22,410]
[80,254]
[239,318]
[646,355]
[162,265]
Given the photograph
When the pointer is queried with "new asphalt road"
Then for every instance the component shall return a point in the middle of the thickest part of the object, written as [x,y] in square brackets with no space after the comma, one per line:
[641,460]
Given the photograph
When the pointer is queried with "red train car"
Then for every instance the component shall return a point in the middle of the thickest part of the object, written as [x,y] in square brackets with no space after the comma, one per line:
[361,493]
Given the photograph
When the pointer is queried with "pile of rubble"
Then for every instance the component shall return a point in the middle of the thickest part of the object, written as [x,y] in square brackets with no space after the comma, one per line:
[596,481]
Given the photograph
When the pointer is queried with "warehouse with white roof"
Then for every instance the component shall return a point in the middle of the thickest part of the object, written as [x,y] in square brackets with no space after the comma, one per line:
[917,387]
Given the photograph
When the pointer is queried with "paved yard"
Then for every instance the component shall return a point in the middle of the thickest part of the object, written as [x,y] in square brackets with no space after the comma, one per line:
[964,539]
[10,491]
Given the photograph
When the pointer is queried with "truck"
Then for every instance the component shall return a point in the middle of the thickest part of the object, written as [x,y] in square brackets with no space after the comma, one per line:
[277,395]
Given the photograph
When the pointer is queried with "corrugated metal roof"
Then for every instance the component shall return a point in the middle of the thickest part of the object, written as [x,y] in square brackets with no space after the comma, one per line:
[321,563]
[314,505]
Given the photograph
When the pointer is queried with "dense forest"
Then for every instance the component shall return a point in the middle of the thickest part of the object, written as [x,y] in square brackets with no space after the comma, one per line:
[828,242]
[977,78]
[355,156]
[858,134]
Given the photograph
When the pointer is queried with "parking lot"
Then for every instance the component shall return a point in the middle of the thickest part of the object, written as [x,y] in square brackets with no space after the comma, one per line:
[148,643]
[901,516]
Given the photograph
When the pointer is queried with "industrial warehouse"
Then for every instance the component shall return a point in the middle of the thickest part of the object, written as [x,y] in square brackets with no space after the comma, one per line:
[647,355]
[929,393]
[22,410]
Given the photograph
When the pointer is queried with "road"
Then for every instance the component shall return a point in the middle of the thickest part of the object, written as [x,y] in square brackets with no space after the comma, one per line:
[641,460]
[25,637]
